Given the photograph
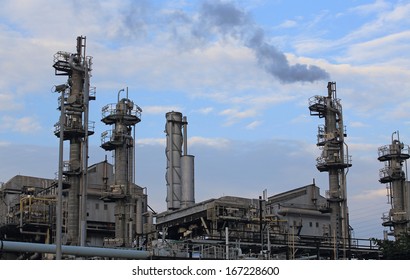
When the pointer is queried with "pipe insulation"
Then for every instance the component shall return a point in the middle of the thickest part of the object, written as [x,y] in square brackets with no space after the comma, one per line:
[11,246]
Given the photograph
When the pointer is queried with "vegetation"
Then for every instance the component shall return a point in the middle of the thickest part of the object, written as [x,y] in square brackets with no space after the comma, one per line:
[395,250]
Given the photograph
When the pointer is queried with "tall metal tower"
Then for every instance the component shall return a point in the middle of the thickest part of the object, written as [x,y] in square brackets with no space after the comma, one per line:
[334,159]
[76,129]
[129,198]
[180,166]
[393,156]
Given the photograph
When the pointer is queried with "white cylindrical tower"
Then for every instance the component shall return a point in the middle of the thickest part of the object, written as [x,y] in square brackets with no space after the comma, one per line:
[180,166]
[173,152]
[188,187]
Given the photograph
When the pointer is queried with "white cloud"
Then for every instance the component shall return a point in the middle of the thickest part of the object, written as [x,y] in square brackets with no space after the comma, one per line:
[25,125]
[161,110]
[357,124]
[376,7]
[9,103]
[369,195]
[401,111]
[4,144]
[288,24]
[235,115]
[381,49]
[301,119]
[253,125]
[151,141]
[360,147]
[218,143]
[204,111]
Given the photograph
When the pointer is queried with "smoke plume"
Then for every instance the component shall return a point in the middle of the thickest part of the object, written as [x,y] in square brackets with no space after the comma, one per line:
[216,19]
[226,19]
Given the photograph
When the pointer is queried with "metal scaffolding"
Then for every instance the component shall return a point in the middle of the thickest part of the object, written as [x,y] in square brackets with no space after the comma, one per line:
[394,156]
[334,159]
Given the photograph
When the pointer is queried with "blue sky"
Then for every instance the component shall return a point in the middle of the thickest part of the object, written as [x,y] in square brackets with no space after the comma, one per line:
[241,71]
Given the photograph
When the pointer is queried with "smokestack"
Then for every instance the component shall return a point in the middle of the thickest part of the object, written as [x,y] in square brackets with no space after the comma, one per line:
[180,167]
[173,152]
[187,168]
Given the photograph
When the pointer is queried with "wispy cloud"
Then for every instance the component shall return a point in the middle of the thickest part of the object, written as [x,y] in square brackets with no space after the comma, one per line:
[357,124]
[356,147]
[151,141]
[25,125]
[204,111]
[376,7]
[4,143]
[9,103]
[301,119]
[235,115]
[218,143]
[288,24]
[253,125]
[369,195]
[158,110]
[379,50]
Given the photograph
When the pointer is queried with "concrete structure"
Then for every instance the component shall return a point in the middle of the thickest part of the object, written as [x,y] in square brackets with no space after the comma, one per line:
[398,190]
[334,159]
[28,209]
[100,214]
[302,211]
[27,205]
[299,210]
[289,225]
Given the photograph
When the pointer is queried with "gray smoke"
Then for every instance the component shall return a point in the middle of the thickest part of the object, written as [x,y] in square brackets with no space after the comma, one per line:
[216,19]
[226,19]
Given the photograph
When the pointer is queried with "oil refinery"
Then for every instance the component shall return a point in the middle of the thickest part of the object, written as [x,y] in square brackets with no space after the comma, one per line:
[98,211]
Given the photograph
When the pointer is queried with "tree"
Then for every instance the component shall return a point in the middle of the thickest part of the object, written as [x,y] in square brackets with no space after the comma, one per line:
[395,250]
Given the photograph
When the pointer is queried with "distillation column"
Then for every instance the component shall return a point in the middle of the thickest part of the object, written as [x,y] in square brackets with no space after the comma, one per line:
[76,129]
[180,166]
[334,160]
[394,156]
[123,116]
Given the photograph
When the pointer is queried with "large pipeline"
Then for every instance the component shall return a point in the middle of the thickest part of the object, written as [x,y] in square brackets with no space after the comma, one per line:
[11,246]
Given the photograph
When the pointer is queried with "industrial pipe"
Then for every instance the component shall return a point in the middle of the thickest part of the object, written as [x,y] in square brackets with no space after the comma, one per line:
[287,210]
[11,246]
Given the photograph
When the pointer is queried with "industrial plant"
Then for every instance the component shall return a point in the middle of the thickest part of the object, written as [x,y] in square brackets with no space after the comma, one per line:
[98,211]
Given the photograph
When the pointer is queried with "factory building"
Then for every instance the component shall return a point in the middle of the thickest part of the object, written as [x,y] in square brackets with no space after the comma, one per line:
[101,205]
[248,225]
[26,215]
[301,211]
[27,209]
